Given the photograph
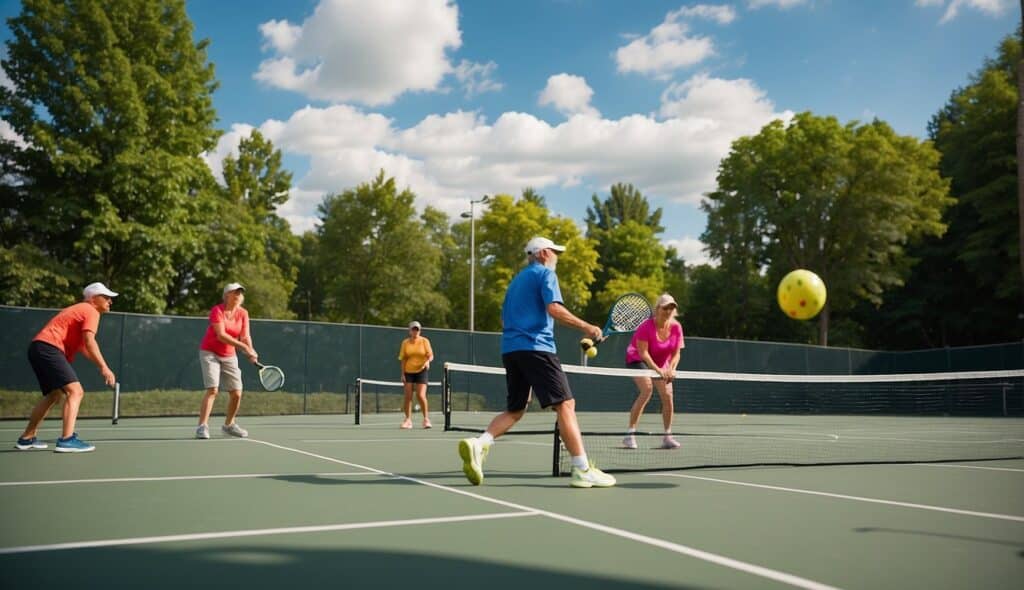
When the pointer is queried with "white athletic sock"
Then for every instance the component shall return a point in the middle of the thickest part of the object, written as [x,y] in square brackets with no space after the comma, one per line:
[631,430]
[581,462]
[485,439]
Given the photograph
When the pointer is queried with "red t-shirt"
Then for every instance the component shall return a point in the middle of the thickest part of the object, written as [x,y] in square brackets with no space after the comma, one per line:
[235,327]
[661,351]
[65,329]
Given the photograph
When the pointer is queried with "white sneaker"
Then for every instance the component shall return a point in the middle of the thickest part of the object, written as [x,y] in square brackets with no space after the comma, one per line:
[473,455]
[629,442]
[235,430]
[669,442]
[203,431]
[591,478]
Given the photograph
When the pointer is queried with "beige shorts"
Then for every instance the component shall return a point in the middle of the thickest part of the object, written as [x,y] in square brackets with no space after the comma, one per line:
[220,370]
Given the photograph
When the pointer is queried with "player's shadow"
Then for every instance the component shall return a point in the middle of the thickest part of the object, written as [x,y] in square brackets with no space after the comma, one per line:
[327,560]
[1006,543]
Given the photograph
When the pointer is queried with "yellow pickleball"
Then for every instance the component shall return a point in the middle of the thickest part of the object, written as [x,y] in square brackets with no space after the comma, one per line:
[801,294]
[592,352]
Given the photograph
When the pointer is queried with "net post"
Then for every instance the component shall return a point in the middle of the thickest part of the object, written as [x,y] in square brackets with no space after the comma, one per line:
[446,398]
[556,458]
[116,412]
[359,401]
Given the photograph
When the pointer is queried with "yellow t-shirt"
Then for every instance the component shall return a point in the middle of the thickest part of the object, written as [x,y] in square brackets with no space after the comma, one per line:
[414,355]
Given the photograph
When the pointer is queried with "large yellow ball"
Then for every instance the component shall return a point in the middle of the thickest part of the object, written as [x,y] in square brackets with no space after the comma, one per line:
[801,294]
[592,352]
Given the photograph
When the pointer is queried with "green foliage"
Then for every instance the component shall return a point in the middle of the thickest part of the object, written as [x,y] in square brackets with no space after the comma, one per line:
[376,262]
[842,201]
[113,103]
[631,256]
[624,203]
[502,233]
[966,288]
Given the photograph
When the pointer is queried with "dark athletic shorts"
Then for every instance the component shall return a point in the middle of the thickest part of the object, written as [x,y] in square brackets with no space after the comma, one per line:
[636,365]
[420,377]
[52,370]
[540,371]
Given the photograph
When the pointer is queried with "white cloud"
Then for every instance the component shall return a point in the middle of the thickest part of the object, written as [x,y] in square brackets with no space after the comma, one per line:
[988,7]
[723,14]
[691,250]
[666,48]
[477,78]
[448,158]
[366,51]
[569,94]
[783,4]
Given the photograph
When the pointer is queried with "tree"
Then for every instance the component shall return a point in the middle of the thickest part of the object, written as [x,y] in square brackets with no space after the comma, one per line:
[630,255]
[966,288]
[255,180]
[841,200]
[112,102]
[502,233]
[632,260]
[308,296]
[624,203]
[376,263]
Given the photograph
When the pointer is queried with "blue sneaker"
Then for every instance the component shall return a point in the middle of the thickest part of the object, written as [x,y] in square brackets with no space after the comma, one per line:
[73,444]
[27,444]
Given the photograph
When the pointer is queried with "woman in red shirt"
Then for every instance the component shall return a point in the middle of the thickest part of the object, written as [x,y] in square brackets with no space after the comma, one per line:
[228,329]
[656,345]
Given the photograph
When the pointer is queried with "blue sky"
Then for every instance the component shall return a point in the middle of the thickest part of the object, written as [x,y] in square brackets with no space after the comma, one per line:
[568,96]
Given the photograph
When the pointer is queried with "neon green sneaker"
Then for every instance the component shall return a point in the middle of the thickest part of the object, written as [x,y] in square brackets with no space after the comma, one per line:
[473,455]
[591,478]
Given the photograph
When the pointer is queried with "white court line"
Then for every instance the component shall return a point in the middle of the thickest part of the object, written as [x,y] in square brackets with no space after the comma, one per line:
[258,532]
[846,497]
[174,478]
[968,467]
[728,562]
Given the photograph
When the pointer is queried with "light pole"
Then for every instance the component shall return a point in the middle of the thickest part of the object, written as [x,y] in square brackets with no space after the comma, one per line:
[472,255]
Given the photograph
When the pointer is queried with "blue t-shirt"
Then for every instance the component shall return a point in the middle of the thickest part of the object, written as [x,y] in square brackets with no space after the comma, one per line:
[524,315]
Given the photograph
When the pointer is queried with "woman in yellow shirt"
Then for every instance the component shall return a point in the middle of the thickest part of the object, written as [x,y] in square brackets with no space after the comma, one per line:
[414,356]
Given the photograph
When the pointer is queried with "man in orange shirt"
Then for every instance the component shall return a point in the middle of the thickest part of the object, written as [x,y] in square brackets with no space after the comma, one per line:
[50,354]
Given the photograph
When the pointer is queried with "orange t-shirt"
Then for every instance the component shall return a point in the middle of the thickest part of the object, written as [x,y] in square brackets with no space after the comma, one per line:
[414,355]
[65,329]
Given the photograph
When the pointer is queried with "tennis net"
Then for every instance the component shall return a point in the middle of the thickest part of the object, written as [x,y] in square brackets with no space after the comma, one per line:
[740,419]
[377,397]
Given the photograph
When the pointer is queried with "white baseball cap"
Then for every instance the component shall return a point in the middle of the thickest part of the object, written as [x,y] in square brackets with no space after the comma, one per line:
[93,289]
[415,324]
[537,244]
[233,287]
[665,300]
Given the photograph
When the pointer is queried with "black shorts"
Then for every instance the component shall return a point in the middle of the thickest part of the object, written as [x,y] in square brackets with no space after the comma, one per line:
[636,365]
[52,370]
[540,371]
[420,377]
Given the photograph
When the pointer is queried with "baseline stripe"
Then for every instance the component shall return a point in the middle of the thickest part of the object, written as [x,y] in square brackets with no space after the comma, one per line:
[259,532]
[728,562]
[1010,517]
[174,478]
[955,466]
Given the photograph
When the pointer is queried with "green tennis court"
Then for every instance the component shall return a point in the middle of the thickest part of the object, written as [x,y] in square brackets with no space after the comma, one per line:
[317,500]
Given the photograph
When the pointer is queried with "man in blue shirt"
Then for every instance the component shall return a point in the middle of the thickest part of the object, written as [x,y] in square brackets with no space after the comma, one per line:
[532,303]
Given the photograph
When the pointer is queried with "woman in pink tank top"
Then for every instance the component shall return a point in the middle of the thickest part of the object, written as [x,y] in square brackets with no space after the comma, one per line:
[656,345]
